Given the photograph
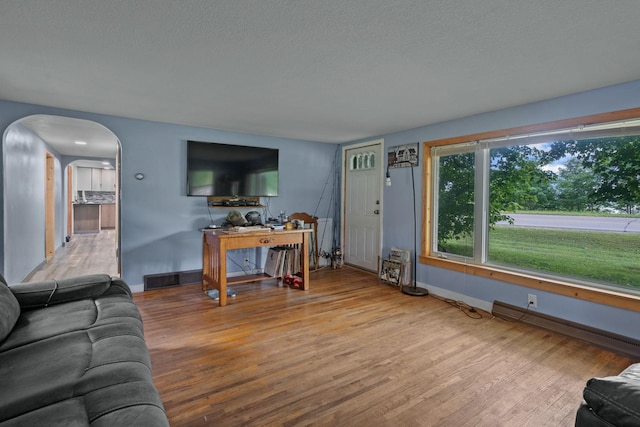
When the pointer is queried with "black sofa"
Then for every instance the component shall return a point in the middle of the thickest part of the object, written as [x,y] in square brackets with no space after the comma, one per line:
[72,353]
[612,401]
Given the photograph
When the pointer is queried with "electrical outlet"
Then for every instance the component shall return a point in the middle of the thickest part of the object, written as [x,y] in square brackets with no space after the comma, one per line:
[246,262]
[532,301]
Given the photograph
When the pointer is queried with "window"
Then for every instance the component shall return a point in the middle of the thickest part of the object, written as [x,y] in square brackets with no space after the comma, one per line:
[561,205]
[362,161]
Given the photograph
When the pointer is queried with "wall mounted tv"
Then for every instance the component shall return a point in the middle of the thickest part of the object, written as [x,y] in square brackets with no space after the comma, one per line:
[226,170]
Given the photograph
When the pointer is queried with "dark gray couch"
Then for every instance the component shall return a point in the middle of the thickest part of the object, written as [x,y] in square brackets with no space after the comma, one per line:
[612,401]
[72,353]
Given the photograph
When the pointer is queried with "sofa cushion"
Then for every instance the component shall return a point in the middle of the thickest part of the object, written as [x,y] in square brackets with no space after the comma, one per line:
[615,399]
[47,322]
[128,404]
[9,311]
[42,294]
[103,358]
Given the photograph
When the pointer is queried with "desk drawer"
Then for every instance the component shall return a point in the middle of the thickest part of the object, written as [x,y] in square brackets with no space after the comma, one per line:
[272,239]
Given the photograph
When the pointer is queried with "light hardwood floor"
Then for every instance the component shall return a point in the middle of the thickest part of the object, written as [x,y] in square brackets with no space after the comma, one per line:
[350,351]
[83,254]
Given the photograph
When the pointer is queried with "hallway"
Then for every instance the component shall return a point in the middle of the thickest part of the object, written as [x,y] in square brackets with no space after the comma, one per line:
[84,254]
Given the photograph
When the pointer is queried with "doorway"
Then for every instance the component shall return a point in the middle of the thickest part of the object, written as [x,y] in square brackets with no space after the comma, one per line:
[38,152]
[362,204]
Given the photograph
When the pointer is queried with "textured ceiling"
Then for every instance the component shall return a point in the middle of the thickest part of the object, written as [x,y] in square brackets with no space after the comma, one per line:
[323,70]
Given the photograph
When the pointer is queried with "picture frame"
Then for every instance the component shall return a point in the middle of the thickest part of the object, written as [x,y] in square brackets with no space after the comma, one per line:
[403,256]
[403,156]
[391,272]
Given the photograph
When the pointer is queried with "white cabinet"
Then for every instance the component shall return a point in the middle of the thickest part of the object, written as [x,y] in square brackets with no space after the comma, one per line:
[108,180]
[96,179]
[84,179]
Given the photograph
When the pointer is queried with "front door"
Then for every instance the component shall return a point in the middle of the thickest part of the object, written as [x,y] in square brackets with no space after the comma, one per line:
[363,205]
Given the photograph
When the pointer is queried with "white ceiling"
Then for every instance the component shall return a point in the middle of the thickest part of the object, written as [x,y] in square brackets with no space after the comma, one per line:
[322,70]
[67,134]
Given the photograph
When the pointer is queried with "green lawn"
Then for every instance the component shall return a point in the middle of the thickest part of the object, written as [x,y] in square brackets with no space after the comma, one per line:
[609,258]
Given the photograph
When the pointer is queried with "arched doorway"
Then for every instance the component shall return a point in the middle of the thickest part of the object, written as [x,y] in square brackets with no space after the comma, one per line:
[40,155]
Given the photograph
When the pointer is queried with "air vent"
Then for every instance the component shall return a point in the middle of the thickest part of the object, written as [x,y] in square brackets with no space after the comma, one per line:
[168,280]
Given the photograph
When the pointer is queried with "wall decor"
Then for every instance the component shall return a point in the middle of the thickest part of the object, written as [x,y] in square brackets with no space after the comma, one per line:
[403,156]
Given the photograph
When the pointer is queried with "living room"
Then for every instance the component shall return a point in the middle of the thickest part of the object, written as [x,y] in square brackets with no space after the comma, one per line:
[160,225]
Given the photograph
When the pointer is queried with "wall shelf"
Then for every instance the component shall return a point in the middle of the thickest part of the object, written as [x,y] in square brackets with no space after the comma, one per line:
[234,202]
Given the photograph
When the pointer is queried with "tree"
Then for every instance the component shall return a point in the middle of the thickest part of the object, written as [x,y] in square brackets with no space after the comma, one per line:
[513,173]
[615,161]
[517,181]
[455,196]
[575,187]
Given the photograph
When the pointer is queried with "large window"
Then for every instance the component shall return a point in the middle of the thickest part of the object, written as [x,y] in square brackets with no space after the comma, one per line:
[559,204]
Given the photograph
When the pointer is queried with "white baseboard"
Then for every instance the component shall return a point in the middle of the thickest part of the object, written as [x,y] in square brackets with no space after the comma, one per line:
[445,293]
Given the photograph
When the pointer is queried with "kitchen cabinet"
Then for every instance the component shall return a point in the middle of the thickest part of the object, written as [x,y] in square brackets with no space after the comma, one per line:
[86,218]
[96,179]
[107,216]
[108,180]
[83,176]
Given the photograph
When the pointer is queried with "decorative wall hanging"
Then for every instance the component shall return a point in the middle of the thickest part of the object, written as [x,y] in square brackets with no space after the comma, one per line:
[403,156]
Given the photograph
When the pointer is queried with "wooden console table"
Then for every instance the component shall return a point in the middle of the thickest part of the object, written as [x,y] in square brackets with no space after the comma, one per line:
[216,243]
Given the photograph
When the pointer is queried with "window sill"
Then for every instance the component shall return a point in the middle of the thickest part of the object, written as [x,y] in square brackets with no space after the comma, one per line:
[601,296]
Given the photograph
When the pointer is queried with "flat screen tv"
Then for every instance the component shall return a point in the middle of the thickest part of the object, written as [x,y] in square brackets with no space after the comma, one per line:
[226,170]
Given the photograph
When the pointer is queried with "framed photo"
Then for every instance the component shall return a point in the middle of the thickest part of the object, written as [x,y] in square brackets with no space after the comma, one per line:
[391,272]
[403,156]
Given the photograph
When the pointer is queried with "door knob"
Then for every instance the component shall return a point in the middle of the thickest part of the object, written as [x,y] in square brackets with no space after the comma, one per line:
[377,212]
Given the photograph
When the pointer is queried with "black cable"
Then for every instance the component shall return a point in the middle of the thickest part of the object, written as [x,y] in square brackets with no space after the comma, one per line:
[465,308]
[55,288]
[209,209]
[523,314]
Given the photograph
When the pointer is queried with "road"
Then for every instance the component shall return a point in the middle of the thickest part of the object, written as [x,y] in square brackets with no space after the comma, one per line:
[597,223]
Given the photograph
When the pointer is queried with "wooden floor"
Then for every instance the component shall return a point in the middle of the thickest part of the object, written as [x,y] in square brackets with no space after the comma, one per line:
[83,254]
[350,351]
[354,352]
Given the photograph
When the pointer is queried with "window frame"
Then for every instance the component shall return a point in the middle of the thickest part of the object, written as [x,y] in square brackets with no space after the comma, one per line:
[531,280]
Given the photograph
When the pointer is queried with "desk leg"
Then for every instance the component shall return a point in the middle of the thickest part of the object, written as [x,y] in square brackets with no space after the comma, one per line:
[222,274]
[206,263]
[305,261]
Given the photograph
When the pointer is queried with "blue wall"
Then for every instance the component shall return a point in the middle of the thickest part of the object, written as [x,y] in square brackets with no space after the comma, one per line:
[24,167]
[481,292]
[159,222]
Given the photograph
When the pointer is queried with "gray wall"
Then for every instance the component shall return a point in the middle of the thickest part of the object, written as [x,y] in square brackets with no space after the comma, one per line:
[481,292]
[159,222]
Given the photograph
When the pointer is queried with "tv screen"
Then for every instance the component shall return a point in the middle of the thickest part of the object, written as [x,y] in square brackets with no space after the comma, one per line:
[231,170]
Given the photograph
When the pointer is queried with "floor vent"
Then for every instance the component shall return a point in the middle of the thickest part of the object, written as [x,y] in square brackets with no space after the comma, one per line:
[610,341]
[168,280]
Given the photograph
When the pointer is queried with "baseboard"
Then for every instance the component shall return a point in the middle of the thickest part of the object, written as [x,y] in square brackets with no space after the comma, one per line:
[447,294]
[613,342]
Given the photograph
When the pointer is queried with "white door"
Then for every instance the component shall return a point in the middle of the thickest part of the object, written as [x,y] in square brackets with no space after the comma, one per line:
[363,205]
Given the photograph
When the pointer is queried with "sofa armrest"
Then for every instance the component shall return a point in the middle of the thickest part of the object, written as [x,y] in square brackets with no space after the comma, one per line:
[40,294]
[118,287]
[616,399]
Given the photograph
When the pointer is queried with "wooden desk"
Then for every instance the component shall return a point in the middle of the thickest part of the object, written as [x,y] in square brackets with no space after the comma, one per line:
[216,243]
